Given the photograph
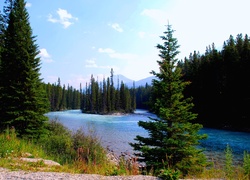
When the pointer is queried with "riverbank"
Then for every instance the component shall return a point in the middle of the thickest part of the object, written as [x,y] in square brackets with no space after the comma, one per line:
[14,155]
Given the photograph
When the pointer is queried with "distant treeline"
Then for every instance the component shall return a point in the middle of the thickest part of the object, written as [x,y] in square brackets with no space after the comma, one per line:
[97,97]
[220,84]
[103,98]
[62,97]
[90,101]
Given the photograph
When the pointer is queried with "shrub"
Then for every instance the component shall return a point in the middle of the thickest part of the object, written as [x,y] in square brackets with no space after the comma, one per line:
[58,143]
[73,147]
[169,174]
[229,162]
[246,164]
[88,147]
[12,146]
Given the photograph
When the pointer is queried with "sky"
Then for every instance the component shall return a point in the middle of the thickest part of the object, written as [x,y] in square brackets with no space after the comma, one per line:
[80,38]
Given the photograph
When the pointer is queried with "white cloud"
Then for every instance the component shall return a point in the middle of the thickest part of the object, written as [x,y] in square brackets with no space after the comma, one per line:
[90,63]
[116,27]
[125,56]
[45,56]
[113,54]
[157,15]
[28,5]
[106,50]
[65,18]
[77,79]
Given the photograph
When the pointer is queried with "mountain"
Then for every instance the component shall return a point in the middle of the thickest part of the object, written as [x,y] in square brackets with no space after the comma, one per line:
[121,78]
[129,82]
[143,82]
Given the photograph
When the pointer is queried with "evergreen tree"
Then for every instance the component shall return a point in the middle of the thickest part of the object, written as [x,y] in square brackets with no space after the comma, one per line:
[112,91]
[117,96]
[172,137]
[104,96]
[62,105]
[133,95]
[1,31]
[94,92]
[58,95]
[108,96]
[23,99]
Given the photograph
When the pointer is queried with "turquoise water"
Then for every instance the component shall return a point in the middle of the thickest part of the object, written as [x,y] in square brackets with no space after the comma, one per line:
[116,131]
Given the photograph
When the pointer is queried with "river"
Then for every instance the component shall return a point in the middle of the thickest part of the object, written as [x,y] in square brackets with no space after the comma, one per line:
[116,131]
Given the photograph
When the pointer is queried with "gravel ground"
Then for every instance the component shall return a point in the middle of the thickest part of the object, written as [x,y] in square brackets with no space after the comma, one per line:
[22,175]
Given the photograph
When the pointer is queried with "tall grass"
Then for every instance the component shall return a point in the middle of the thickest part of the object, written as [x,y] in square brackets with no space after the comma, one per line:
[81,152]
[227,169]
[76,151]
[11,146]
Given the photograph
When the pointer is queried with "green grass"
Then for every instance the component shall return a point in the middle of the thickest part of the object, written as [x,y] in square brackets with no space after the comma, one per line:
[226,169]
[77,152]
[11,146]
[80,152]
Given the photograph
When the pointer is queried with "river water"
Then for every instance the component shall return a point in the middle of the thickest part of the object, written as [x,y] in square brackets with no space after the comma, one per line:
[116,131]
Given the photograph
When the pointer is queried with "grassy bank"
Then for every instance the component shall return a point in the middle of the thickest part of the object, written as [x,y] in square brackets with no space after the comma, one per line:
[77,152]
[80,152]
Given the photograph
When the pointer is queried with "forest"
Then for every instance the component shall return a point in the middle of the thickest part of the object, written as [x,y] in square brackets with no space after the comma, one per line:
[220,84]
[220,87]
[96,98]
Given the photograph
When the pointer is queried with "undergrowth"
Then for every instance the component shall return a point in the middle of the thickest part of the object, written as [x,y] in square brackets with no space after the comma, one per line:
[227,169]
[80,152]
[76,151]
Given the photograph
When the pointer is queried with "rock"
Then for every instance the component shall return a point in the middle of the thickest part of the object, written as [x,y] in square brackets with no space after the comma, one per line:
[26,155]
[46,162]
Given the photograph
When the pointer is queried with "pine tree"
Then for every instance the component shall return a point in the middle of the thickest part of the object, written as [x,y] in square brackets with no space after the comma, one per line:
[104,96]
[172,139]
[112,90]
[93,95]
[108,96]
[23,99]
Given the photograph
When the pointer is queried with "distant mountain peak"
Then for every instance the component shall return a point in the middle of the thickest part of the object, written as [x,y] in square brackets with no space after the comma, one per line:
[129,82]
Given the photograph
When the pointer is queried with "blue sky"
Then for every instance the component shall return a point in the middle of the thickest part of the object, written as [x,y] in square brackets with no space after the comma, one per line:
[83,37]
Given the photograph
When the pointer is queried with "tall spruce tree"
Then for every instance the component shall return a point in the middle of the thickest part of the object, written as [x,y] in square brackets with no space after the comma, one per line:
[23,99]
[172,139]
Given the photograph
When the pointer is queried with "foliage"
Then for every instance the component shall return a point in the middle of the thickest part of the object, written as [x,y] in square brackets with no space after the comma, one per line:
[143,94]
[81,150]
[220,83]
[246,164]
[62,98]
[22,97]
[97,97]
[104,98]
[88,147]
[229,161]
[68,146]
[76,151]
[58,143]
[172,137]
[11,146]
[169,174]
